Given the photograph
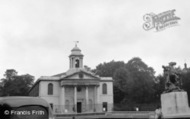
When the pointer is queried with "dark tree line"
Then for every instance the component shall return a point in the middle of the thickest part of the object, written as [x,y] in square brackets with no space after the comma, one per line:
[15,85]
[133,81]
[136,83]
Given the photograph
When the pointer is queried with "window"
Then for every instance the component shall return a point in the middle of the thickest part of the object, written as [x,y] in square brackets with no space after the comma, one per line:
[50,89]
[104,88]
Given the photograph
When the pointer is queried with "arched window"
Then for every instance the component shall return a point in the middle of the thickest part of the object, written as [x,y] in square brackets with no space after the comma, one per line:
[104,88]
[50,89]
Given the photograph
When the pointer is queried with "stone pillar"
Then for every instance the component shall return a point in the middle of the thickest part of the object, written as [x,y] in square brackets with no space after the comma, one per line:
[98,107]
[81,62]
[75,98]
[70,63]
[87,99]
[97,95]
[62,99]
[95,98]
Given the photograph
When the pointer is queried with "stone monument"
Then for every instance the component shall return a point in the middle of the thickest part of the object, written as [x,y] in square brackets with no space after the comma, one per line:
[174,100]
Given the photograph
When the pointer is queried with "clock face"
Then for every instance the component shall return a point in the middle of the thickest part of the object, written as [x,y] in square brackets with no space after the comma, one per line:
[81,75]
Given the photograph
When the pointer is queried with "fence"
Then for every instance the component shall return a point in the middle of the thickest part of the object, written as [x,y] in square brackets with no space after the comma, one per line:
[70,109]
[135,107]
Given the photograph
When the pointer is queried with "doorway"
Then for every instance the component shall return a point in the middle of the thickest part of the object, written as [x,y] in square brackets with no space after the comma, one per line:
[105,106]
[79,107]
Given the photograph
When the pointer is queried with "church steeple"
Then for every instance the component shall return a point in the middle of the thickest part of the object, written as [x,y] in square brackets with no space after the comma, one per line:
[76,58]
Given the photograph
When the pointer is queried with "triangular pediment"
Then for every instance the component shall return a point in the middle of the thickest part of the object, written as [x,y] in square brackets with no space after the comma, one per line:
[81,74]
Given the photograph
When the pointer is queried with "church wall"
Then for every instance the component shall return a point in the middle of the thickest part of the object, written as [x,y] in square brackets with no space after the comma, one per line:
[106,97]
[43,93]
[91,93]
[69,94]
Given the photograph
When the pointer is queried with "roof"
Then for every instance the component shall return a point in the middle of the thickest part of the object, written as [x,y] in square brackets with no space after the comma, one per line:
[60,74]
[75,48]
[76,51]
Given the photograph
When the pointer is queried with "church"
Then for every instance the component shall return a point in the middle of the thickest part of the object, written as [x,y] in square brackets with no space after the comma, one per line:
[77,90]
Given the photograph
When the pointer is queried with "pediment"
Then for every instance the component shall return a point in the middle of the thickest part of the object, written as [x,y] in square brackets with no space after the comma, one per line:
[81,75]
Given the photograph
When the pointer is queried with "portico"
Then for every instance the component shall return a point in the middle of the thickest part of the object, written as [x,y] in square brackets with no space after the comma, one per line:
[80,95]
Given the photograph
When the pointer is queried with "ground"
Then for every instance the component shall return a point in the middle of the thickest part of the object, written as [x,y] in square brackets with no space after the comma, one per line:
[116,115]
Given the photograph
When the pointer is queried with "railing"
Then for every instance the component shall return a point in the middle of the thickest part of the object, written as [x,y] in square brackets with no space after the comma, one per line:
[132,114]
[91,108]
[111,115]
[98,110]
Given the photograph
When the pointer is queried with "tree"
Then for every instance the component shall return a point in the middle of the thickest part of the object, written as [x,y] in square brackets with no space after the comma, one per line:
[186,83]
[121,82]
[108,69]
[159,87]
[19,85]
[10,73]
[133,81]
[142,76]
[136,80]
[122,79]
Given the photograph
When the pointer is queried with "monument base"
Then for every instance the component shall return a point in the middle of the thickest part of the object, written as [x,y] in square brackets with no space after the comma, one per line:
[175,105]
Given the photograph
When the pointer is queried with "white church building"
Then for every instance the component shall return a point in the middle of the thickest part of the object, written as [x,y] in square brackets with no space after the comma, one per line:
[77,90]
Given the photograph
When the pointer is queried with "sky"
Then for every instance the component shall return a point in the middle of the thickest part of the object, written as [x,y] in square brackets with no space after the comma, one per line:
[36,36]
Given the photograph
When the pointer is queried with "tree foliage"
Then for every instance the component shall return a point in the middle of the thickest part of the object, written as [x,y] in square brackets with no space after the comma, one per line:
[108,69]
[159,87]
[133,81]
[186,83]
[122,79]
[9,73]
[136,80]
[16,85]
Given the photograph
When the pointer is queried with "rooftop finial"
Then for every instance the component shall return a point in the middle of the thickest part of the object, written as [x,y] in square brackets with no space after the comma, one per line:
[76,43]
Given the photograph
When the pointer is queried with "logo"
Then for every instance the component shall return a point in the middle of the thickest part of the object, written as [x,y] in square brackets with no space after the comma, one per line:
[160,21]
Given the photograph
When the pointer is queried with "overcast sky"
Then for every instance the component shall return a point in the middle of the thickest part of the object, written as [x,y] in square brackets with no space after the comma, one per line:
[36,36]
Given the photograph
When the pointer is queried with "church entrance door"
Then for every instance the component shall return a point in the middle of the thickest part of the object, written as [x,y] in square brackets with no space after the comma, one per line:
[79,107]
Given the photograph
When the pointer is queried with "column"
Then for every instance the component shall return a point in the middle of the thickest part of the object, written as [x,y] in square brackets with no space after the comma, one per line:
[95,98]
[70,63]
[87,99]
[62,100]
[81,62]
[75,98]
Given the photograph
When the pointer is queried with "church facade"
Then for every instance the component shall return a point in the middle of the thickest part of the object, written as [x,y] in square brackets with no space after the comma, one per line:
[77,90]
